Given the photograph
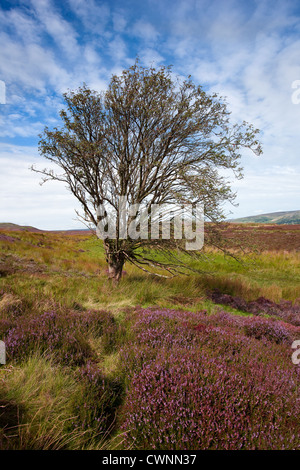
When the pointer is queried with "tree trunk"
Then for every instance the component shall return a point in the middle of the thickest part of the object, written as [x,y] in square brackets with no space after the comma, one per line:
[115,261]
[115,271]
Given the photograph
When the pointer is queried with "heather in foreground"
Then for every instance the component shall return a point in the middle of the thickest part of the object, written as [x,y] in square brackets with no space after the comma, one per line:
[210,382]
[87,369]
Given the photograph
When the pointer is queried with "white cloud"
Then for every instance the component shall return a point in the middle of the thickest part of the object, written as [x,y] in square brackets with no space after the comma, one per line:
[251,61]
[117,49]
[94,15]
[57,27]
[267,190]
[145,31]
[150,57]
[91,56]
[22,199]
[28,130]
[21,24]
[31,66]
[119,21]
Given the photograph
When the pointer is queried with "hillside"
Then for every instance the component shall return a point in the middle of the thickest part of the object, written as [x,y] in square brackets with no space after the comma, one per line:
[275,218]
[287,217]
[27,228]
[17,228]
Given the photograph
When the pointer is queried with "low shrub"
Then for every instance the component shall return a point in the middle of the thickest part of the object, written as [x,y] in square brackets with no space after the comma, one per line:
[47,332]
[61,331]
[201,382]
[267,328]
[286,310]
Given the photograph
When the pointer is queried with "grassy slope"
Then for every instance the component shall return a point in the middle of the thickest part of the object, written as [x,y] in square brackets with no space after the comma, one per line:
[15,227]
[72,270]
[287,217]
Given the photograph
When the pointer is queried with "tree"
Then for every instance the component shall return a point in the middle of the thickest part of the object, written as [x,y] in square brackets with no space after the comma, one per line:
[149,140]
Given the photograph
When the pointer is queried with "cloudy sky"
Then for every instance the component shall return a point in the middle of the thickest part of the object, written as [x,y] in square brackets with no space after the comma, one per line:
[248,51]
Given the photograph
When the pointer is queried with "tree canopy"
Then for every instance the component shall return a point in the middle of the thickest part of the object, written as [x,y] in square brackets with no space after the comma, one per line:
[149,139]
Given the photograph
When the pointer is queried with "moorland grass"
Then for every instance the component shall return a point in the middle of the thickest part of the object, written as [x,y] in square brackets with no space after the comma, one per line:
[73,389]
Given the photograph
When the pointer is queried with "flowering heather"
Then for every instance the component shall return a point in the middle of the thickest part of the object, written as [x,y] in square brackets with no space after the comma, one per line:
[62,332]
[286,310]
[276,331]
[209,382]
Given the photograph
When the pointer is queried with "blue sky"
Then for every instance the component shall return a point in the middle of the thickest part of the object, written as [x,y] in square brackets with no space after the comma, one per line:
[248,51]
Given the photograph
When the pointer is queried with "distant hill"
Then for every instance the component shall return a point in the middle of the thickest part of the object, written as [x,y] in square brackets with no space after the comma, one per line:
[18,228]
[22,228]
[287,217]
[280,218]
